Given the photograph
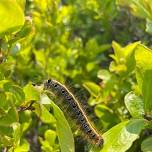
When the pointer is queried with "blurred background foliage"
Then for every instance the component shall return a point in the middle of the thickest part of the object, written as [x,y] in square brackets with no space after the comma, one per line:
[98,47]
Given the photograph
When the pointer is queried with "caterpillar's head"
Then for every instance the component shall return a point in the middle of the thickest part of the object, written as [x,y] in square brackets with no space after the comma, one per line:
[51,84]
[55,87]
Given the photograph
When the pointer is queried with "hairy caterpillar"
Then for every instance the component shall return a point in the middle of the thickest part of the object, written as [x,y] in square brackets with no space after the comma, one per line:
[79,115]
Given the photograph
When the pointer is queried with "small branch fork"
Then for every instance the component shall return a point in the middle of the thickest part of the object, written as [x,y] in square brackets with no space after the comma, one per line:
[30,107]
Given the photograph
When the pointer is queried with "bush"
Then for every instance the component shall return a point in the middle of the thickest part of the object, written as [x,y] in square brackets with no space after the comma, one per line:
[101,47]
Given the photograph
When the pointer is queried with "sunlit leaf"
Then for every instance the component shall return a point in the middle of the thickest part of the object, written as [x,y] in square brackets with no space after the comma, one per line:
[44,114]
[9,9]
[66,140]
[124,58]
[24,147]
[135,105]
[93,88]
[31,93]
[65,136]
[104,75]
[121,137]
[144,74]
[16,133]
[50,136]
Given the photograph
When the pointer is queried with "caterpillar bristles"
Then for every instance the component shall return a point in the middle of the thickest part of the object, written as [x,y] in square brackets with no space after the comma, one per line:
[89,132]
[82,96]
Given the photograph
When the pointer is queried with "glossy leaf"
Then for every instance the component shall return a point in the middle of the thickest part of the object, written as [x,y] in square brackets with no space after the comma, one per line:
[121,137]
[135,105]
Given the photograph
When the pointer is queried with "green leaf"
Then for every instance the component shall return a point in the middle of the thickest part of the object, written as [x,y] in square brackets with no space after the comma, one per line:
[17,91]
[6,130]
[40,57]
[50,136]
[104,75]
[24,147]
[3,104]
[135,105]
[4,82]
[149,26]
[143,57]
[25,120]
[46,145]
[124,57]
[106,116]
[100,110]
[11,16]
[118,51]
[66,140]
[120,137]
[21,3]
[93,88]
[16,133]
[6,141]
[65,136]
[9,118]
[31,93]
[44,114]
[146,145]
[11,115]
[129,53]
[93,48]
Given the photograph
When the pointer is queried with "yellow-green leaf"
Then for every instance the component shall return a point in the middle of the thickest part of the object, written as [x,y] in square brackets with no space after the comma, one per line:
[143,58]
[66,140]
[11,16]
[120,137]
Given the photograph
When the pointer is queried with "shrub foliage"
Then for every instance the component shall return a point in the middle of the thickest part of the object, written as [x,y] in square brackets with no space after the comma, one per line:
[101,46]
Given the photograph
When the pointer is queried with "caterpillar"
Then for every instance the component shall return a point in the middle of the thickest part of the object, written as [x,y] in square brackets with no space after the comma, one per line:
[80,116]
